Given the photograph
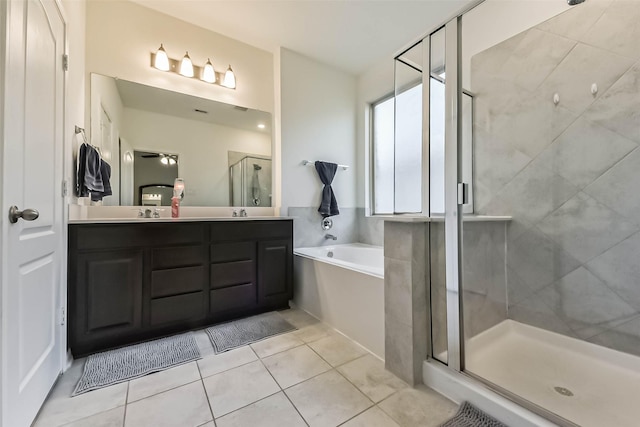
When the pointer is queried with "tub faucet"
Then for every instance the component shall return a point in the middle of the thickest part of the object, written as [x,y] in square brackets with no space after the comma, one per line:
[330,236]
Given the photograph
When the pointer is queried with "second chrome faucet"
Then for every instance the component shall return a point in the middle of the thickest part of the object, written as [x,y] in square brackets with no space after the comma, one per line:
[330,237]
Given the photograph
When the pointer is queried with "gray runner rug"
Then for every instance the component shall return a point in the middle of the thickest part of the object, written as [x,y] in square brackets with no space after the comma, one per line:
[135,361]
[228,336]
[470,416]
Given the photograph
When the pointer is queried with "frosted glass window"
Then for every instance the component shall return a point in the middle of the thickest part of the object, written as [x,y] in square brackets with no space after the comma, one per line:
[383,156]
[408,161]
[436,147]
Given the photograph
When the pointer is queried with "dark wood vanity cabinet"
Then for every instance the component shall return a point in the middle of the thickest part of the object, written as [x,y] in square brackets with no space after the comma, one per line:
[135,281]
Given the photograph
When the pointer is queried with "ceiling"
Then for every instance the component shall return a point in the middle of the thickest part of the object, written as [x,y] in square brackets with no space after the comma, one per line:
[156,100]
[351,35]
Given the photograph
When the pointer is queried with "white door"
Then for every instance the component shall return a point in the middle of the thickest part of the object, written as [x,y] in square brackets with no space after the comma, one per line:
[31,150]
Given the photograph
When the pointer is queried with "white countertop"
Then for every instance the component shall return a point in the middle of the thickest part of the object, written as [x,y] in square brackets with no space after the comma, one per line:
[79,214]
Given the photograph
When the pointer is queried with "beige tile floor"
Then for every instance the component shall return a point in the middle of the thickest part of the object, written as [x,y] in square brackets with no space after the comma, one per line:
[310,377]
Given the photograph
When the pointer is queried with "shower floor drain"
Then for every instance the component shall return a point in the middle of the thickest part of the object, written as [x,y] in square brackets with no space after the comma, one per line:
[563,391]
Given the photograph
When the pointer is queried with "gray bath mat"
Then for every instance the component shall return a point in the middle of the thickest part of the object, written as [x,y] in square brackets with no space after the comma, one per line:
[228,336]
[135,361]
[470,416]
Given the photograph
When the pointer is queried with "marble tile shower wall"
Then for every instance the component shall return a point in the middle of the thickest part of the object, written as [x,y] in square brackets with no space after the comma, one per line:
[568,174]
[484,275]
[351,226]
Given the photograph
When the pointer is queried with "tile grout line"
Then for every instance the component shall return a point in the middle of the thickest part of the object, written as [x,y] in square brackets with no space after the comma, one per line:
[226,370]
[126,403]
[249,404]
[163,391]
[213,418]
[283,390]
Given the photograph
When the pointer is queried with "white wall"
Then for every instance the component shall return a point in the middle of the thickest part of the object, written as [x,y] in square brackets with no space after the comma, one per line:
[318,123]
[75,12]
[121,35]
[202,149]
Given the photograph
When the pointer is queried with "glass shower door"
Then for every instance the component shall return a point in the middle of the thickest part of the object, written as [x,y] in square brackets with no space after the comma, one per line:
[548,269]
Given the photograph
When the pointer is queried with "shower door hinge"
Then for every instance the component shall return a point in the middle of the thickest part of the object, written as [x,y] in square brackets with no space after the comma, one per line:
[63,316]
[463,193]
[65,191]
[65,62]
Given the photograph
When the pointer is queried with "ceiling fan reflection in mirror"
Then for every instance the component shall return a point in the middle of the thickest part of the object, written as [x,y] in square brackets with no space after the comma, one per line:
[165,159]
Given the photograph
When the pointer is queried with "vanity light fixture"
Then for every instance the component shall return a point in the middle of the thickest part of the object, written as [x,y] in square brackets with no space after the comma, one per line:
[161,61]
[185,67]
[208,73]
[229,79]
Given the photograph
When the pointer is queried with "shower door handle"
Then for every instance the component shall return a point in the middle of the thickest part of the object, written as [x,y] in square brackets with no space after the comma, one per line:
[463,193]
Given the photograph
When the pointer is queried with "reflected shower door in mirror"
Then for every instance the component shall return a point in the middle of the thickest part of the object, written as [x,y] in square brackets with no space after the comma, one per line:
[250,181]
[137,126]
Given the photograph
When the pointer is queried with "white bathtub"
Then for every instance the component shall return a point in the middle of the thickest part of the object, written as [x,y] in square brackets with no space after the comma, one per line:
[343,285]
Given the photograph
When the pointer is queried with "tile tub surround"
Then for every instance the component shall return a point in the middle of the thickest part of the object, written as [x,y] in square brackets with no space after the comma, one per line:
[568,174]
[291,385]
[351,226]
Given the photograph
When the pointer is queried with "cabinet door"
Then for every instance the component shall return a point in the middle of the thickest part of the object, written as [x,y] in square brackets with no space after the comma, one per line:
[275,272]
[107,298]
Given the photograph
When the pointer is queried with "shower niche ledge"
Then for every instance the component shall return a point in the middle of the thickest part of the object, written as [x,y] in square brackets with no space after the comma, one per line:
[441,218]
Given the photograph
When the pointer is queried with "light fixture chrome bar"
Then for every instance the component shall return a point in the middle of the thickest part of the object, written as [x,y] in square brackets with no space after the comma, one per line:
[453,210]
[310,163]
[174,67]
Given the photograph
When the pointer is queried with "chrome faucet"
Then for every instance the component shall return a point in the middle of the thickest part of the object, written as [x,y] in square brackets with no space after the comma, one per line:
[243,212]
[330,236]
[144,213]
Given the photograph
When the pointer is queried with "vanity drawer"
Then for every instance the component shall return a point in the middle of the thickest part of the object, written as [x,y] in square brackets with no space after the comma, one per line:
[184,256]
[232,273]
[246,229]
[177,308]
[176,281]
[226,252]
[162,234]
[108,236]
[232,298]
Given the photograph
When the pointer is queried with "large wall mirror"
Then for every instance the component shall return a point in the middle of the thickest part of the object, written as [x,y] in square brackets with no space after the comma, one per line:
[150,136]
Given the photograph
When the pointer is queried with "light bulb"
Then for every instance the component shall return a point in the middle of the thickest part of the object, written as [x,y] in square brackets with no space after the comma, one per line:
[164,161]
[186,66]
[172,161]
[208,73]
[229,79]
[261,126]
[161,61]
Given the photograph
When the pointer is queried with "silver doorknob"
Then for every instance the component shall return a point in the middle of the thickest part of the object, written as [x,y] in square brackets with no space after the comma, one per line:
[27,214]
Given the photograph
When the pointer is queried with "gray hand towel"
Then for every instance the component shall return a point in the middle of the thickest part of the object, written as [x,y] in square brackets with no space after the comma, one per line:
[329,205]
